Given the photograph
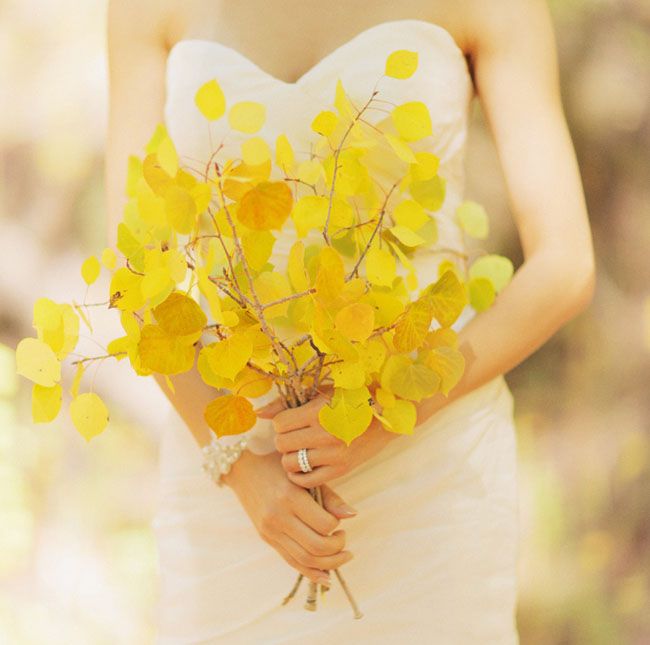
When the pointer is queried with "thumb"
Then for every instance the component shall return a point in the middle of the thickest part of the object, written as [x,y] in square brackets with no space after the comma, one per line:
[269,410]
[334,503]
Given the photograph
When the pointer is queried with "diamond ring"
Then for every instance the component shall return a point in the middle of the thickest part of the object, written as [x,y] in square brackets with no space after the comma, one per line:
[305,466]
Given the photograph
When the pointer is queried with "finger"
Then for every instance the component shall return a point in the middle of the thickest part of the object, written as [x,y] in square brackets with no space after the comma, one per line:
[300,417]
[317,575]
[320,475]
[316,457]
[269,410]
[335,504]
[310,437]
[307,559]
[313,514]
[314,542]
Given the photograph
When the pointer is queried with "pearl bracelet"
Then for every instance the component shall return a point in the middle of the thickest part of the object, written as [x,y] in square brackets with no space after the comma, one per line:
[219,458]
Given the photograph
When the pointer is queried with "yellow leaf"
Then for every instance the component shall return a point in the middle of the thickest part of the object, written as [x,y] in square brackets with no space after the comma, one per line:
[266,206]
[251,384]
[401,63]
[481,293]
[408,379]
[348,414]
[356,321]
[210,100]
[449,364]
[401,148]
[406,236]
[57,325]
[325,122]
[271,286]
[180,315]
[133,174]
[284,156]
[155,175]
[449,265]
[46,402]
[330,277]
[74,388]
[342,103]
[310,171]
[230,414]
[296,267]
[332,341]
[258,246]
[410,214]
[381,267]
[401,416]
[309,212]
[180,209]
[36,361]
[155,282]
[90,269]
[412,120]
[163,353]
[372,355]
[387,307]
[211,293]
[342,214]
[348,375]
[108,258]
[202,196]
[447,297]
[425,167]
[167,156]
[130,246]
[255,151]
[170,385]
[247,116]
[442,337]
[229,356]
[498,269]
[473,219]
[159,133]
[430,193]
[385,398]
[413,326]
[89,414]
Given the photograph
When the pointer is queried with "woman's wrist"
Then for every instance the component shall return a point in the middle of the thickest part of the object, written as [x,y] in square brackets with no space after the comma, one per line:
[240,469]
[220,455]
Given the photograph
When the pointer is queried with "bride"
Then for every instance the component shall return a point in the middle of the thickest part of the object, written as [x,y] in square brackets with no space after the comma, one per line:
[430,548]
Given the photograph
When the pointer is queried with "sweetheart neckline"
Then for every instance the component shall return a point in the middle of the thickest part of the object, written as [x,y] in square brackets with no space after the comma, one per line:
[299,82]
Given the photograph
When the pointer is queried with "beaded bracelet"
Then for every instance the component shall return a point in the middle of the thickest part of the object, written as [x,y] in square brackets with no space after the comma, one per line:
[219,458]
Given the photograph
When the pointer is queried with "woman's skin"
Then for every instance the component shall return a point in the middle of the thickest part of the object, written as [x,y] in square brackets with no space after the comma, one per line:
[510,47]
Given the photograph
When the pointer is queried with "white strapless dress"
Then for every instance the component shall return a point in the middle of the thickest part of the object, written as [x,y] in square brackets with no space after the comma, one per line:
[436,537]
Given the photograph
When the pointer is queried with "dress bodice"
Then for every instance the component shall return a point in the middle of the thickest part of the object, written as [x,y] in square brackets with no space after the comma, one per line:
[441,81]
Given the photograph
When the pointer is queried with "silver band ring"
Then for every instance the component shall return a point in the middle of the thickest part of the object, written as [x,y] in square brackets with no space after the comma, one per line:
[305,466]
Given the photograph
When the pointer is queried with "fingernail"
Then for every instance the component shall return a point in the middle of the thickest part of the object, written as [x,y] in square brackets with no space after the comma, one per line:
[347,509]
[324,580]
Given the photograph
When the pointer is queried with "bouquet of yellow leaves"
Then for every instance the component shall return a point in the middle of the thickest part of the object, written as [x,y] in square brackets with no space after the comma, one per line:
[339,313]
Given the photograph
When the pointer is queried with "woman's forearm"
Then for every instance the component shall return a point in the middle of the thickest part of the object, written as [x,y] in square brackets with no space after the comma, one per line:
[544,294]
[190,399]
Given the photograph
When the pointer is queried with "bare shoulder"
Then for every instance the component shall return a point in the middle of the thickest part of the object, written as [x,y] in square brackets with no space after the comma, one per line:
[135,23]
[500,24]
[520,31]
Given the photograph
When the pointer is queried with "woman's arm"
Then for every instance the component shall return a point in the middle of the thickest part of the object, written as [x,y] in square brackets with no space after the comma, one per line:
[285,515]
[137,54]
[517,78]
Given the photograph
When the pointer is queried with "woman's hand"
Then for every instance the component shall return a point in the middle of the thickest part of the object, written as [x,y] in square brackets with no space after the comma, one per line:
[328,455]
[288,518]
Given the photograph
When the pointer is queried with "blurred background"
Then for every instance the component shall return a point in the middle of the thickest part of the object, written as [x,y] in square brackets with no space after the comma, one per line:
[77,555]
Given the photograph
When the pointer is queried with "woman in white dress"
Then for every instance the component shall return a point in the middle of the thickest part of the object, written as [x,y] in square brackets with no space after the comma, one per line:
[431,553]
